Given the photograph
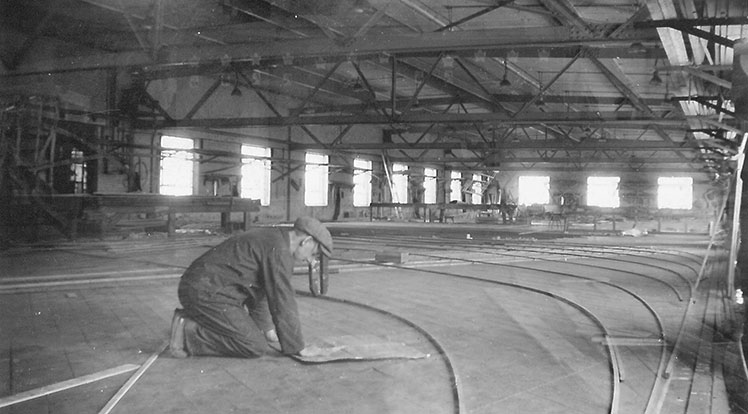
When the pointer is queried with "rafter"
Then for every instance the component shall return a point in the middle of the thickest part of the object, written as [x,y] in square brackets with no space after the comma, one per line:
[370,46]
[477,14]
[617,119]
[534,145]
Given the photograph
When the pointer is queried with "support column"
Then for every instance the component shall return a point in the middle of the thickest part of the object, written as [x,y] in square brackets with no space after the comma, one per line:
[739,94]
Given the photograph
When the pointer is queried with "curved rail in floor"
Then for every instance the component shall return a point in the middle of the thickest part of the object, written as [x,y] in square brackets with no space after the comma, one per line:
[657,389]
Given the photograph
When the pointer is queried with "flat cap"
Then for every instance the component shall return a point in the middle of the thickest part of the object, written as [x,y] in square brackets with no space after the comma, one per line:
[314,228]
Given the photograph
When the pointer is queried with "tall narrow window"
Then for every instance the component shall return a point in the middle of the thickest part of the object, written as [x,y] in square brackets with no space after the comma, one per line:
[675,192]
[256,174]
[603,191]
[455,186]
[429,185]
[476,189]
[400,183]
[534,190]
[361,182]
[316,179]
[177,168]
[78,175]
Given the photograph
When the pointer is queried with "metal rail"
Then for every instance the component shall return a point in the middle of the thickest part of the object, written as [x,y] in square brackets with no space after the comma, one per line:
[612,353]
[454,378]
[670,286]
[659,388]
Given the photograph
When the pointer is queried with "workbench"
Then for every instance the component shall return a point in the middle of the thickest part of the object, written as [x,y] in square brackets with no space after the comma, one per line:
[431,209]
[107,211]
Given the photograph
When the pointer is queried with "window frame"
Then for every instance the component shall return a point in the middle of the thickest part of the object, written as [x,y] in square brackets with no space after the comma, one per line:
[674,194]
[603,185]
[316,179]
[400,183]
[173,155]
[524,181]
[476,189]
[455,186]
[429,185]
[362,186]
[251,187]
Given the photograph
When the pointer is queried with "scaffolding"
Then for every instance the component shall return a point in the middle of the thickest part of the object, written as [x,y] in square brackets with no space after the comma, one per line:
[48,149]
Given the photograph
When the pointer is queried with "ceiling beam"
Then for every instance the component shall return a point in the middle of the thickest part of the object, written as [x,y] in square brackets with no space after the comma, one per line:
[472,16]
[368,46]
[618,119]
[504,161]
[145,19]
[282,20]
[503,98]
[550,145]
[267,63]
[590,168]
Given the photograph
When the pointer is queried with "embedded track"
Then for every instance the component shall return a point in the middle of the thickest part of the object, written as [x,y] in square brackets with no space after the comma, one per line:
[678,270]
[516,326]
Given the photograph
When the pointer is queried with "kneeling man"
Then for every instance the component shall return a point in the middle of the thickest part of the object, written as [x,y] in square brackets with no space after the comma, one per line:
[238,295]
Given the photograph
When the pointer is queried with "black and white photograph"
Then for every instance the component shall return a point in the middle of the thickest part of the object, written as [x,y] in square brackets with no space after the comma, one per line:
[373,206]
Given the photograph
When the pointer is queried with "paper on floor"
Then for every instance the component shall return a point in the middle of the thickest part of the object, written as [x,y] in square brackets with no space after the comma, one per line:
[360,348]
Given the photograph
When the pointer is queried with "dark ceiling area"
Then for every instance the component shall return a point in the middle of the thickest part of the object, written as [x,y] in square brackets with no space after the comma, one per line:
[467,84]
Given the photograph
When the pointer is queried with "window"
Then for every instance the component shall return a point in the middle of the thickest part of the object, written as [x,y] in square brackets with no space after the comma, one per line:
[534,190]
[429,185]
[315,180]
[177,169]
[477,190]
[603,191]
[256,174]
[78,173]
[400,183]
[455,186]
[361,182]
[675,192]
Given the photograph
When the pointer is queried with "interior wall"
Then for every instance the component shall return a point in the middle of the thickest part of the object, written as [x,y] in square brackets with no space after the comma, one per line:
[179,97]
[636,189]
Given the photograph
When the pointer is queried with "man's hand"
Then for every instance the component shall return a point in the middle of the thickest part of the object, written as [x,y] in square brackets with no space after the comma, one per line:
[314,351]
[311,351]
[271,336]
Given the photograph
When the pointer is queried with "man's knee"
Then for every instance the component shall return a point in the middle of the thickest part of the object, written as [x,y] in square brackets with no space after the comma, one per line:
[201,340]
[251,346]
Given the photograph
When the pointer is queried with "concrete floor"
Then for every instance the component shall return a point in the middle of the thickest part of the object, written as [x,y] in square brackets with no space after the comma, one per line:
[501,314]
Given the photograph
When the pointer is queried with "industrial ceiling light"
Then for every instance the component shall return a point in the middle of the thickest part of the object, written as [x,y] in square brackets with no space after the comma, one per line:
[656,80]
[504,81]
[637,48]
[540,101]
[603,136]
[236,91]
[357,86]
[224,78]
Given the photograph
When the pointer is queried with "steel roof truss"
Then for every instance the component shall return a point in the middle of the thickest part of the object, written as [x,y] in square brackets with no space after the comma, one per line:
[316,88]
[479,13]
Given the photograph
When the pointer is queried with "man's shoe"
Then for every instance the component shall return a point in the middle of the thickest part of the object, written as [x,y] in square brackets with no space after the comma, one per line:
[176,343]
